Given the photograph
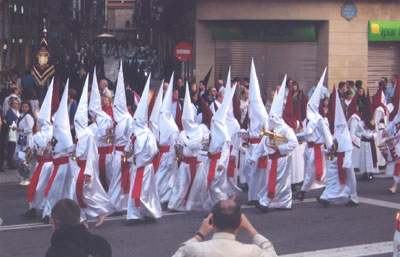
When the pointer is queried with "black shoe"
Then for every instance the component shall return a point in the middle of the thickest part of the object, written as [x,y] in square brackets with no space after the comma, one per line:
[300,196]
[323,202]
[133,222]
[244,187]
[116,214]
[262,208]
[30,214]
[148,219]
[364,177]
[164,206]
[351,204]
[46,220]
[251,203]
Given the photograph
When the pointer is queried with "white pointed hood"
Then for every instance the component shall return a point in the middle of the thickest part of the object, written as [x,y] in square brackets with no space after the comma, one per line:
[139,125]
[231,122]
[61,130]
[44,116]
[120,107]
[341,133]
[276,112]
[219,130]
[81,119]
[257,113]
[189,125]
[153,121]
[314,101]
[166,120]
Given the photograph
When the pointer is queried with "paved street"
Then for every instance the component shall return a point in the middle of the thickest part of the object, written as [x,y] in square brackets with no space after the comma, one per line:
[364,230]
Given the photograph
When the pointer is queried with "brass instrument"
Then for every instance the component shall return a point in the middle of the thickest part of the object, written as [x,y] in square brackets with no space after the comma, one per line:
[178,151]
[110,135]
[274,138]
[246,144]
[128,154]
[332,151]
[47,149]
[28,156]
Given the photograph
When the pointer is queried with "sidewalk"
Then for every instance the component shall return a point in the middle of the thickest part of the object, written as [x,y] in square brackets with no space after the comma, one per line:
[9,177]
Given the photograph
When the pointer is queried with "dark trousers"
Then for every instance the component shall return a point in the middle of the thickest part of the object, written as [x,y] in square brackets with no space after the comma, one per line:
[10,154]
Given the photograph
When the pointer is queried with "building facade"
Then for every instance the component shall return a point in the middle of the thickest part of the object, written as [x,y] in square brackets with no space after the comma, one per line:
[356,40]
[120,18]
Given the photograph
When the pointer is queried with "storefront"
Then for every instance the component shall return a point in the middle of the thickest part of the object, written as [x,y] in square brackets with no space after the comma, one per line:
[383,51]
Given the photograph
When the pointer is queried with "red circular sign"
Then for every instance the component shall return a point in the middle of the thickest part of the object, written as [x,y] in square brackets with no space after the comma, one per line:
[183,51]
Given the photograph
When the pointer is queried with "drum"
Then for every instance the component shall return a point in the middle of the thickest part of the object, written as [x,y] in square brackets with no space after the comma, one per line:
[388,149]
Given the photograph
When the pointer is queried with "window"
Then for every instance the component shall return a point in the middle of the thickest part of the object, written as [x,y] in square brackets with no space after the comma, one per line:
[127,24]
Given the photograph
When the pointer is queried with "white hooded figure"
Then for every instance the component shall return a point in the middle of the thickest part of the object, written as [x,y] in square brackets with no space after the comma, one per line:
[277,192]
[143,199]
[189,190]
[233,130]
[59,185]
[393,168]
[104,133]
[44,165]
[341,185]
[218,154]
[89,193]
[166,165]
[380,119]
[119,186]
[254,168]
[354,117]
[153,121]
[316,134]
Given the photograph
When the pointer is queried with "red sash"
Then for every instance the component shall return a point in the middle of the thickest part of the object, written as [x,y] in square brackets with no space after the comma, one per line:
[137,186]
[125,181]
[396,172]
[103,151]
[231,165]
[35,178]
[156,161]
[319,168]
[262,162]
[342,175]
[192,161]
[56,162]
[79,183]
[255,140]
[214,157]
[273,172]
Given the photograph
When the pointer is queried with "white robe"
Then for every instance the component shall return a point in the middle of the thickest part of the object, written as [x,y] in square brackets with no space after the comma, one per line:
[197,195]
[320,134]
[353,123]
[149,198]
[297,164]
[61,186]
[101,141]
[336,192]
[232,188]
[283,191]
[366,160]
[256,176]
[380,121]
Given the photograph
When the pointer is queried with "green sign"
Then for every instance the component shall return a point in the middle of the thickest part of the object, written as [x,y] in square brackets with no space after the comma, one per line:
[384,31]
[264,31]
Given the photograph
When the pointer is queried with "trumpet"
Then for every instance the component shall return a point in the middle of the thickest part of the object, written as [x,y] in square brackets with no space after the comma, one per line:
[47,149]
[275,138]
[332,151]
[128,154]
[110,135]
[28,156]
[178,151]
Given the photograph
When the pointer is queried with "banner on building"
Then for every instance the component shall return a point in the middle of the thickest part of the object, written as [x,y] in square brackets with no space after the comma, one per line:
[43,67]
[384,31]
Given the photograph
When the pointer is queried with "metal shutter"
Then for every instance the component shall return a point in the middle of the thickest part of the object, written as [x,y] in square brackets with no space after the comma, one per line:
[383,61]
[272,60]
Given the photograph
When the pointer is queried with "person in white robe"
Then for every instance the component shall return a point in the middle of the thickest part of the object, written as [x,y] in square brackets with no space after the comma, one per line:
[341,185]
[89,193]
[316,133]
[166,162]
[143,201]
[366,131]
[277,192]
[119,186]
[255,174]
[44,164]
[104,135]
[218,154]
[392,130]
[153,121]
[354,117]
[189,190]
[59,184]
[380,112]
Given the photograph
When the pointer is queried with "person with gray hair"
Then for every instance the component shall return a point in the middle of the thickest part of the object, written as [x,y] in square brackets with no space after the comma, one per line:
[226,219]
[71,238]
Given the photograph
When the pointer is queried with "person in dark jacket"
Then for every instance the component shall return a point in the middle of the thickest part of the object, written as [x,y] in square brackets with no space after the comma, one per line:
[70,238]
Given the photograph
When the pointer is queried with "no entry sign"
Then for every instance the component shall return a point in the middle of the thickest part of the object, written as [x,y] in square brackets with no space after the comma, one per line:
[183,51]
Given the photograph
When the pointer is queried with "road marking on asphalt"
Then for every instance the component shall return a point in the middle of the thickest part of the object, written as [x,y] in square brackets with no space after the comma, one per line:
[379,203]
[349,251]
[307,200]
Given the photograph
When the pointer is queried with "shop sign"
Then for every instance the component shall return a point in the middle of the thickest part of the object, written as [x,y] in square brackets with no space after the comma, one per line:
[384,31]
[264,31]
